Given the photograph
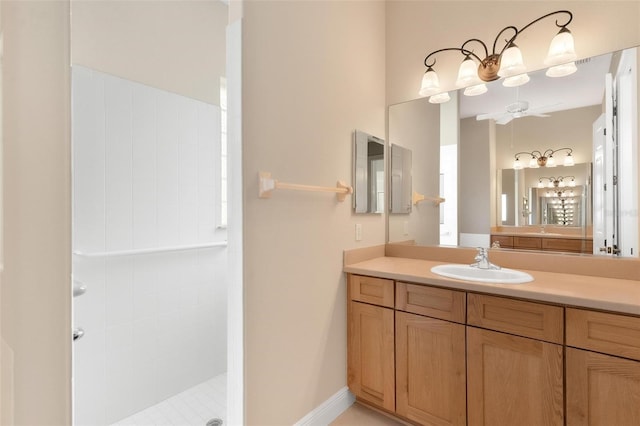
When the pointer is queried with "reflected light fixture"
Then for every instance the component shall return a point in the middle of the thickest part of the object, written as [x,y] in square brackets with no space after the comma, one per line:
[543,159]
[474,71]
[557,182]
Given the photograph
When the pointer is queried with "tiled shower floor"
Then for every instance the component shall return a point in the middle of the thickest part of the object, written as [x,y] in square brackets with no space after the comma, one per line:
[193,407]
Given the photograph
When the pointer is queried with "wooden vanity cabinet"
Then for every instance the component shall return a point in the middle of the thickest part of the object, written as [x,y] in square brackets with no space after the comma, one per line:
[514,371]
[371,341]
[430,355]
[504,241]
[436,356]
[603,368]
[527,243]
[570,245]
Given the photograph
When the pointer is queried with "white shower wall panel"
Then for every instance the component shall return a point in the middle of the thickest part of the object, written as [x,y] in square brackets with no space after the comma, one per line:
[145,165]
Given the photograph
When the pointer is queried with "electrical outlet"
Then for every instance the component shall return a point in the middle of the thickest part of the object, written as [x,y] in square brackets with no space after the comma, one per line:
[358,232]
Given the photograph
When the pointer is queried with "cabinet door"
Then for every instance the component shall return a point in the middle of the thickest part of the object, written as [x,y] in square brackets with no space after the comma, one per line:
[371,362]
[602,389]
[430,369]
[513,380]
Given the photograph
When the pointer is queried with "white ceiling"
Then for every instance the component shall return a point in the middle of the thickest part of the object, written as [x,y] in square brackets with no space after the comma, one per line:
[583,88]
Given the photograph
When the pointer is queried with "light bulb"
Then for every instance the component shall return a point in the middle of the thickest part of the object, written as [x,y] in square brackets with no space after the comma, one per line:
[430,83]
[516,80]
[517,164]
[468,74]
[561,49]
[511,62]
[476,90]
[562,70]
[439,98]
[568,160]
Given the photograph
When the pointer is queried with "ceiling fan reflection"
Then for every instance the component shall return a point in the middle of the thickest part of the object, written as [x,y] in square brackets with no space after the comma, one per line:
[516,109]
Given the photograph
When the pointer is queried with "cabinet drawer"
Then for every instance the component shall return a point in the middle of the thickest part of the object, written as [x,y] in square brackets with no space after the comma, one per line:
[602,332]
[430,301]
[562,244]
[529,243]
[506,241]
[528,319]
[376,291]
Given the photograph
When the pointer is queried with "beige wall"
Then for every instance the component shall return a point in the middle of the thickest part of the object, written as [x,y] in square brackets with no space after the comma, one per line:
[178,46]
[36,173]
[474,186]
[312,73]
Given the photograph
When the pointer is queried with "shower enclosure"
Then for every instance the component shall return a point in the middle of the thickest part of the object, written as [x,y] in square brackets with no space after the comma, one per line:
[149,238]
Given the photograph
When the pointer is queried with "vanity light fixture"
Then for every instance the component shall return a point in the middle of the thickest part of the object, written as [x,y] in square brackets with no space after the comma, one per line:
[543,159]
[506,62]
[557,182]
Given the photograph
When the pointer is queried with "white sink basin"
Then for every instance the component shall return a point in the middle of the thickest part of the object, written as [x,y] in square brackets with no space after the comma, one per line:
[470,273]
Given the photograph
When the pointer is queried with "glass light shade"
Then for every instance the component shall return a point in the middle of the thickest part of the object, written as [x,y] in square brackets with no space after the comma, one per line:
[568,160]
[517,164]
[430,83]
[468,74]
[561,49]
[561,70]
[511,62]
[439,98]
[550,184]
[572,183]
[476,90]
[551,162]
[516,80]
[561,184]
[540,184]
[533,163]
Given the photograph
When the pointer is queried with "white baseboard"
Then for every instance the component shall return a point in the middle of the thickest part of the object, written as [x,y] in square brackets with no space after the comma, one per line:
[329,410]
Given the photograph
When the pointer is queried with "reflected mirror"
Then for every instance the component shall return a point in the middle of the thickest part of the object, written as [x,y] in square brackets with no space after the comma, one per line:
[368,173]
[531,197]
[547,114]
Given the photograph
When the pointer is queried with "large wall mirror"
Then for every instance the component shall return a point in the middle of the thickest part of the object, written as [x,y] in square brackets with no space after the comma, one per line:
[594,197]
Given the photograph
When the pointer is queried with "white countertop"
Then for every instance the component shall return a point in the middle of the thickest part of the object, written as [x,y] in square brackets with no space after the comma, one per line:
[610,294]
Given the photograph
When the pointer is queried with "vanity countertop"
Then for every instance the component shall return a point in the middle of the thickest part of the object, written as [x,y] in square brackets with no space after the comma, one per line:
[610,294]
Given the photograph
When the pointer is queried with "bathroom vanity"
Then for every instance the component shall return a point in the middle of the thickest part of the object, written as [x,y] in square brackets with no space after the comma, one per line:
[533,238]
[433,350]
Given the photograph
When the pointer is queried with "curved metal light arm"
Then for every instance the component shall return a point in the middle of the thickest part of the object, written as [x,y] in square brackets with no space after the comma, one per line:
[553,151]
[459,49]
[510,27]
[484,46]
[532,153]
[518,32]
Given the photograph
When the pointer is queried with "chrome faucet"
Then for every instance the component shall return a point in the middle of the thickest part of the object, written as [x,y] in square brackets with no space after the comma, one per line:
[482,260]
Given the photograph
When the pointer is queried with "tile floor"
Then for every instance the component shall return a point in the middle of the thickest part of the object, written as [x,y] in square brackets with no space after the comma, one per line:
[193,407]
[360,415]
